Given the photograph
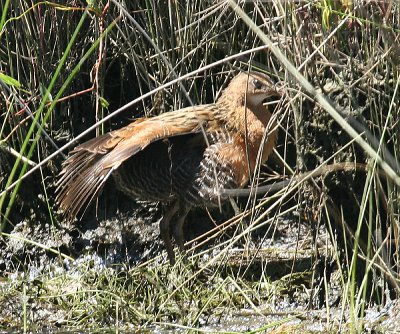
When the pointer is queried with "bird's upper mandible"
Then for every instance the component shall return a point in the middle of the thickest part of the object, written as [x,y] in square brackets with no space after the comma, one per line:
[250,88]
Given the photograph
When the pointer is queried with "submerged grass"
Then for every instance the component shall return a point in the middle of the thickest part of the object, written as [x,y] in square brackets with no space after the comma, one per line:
[66,67]
[91,297]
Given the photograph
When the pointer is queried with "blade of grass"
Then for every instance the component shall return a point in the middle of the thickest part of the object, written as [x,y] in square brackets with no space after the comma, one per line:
[32,127]
[48,113]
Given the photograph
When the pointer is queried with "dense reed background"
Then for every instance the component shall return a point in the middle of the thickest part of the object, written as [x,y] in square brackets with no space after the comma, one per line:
[67,66]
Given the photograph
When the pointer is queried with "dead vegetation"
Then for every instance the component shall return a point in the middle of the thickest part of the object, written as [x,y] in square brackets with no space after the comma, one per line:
[71,67]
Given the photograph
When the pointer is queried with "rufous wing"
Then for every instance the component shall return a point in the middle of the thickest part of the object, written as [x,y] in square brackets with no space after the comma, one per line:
[90,164]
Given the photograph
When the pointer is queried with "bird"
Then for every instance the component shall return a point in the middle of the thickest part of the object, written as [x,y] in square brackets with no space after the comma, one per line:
[182,158]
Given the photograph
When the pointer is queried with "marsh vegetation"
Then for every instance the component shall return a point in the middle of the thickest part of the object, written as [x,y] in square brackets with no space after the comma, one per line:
[319,255]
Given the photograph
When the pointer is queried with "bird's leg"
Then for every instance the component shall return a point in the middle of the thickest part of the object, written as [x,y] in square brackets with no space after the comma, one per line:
[165,230]
[177,229]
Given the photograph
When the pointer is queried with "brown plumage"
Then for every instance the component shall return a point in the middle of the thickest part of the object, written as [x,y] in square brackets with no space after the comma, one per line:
[182,158]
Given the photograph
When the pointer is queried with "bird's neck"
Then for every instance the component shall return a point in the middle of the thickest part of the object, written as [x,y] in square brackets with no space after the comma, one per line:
[252,123]
[242,118]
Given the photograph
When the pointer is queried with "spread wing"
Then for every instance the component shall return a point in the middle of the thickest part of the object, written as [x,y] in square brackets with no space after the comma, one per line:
[90,164]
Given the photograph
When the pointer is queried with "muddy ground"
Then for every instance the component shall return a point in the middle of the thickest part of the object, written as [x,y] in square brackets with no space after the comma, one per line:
[304,276]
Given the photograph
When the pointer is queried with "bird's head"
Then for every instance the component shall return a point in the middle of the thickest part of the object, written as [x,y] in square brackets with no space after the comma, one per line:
[251,88]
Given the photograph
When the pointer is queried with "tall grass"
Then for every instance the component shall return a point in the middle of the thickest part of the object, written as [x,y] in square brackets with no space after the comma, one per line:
[67,67]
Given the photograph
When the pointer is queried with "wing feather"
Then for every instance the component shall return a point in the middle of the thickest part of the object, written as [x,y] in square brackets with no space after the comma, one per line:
[90,164]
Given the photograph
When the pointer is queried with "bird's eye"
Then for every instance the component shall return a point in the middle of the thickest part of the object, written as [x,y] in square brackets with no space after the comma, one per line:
[257,84]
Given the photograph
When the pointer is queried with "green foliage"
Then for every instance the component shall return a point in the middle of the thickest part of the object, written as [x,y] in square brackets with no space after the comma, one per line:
[10,81]
[64,67]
